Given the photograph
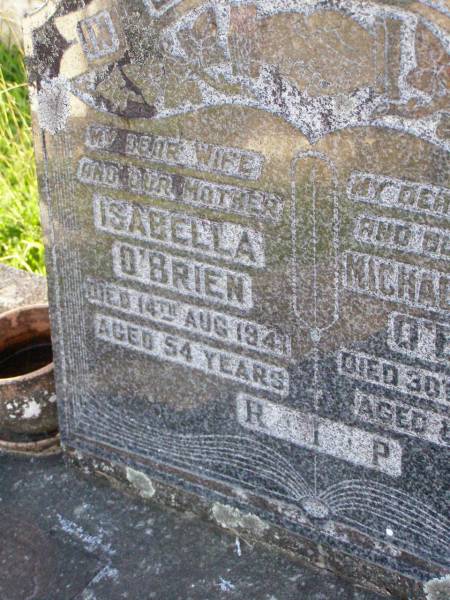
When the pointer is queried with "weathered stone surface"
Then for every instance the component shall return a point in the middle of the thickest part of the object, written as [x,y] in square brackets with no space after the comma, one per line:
[247,205]
[19,288]
[75,538]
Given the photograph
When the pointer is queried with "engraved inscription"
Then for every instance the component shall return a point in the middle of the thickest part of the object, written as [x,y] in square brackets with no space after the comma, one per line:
[395,193]
[395,376]
[98,36]
[396,281]
[402,418]
[222,240]
[323,435]
[182,189]
[182,275]
[195,355]
[205,322]
[406,237]
[179,152]
[419,338]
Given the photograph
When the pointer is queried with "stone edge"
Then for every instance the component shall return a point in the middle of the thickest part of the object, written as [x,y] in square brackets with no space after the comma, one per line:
[250,527]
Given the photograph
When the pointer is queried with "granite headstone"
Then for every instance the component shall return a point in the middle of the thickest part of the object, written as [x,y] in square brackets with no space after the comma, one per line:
[246,206]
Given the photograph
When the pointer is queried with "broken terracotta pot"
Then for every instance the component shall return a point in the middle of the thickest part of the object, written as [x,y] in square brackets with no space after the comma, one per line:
[27,389]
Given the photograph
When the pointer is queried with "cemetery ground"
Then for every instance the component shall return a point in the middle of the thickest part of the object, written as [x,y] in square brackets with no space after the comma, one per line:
[86,541]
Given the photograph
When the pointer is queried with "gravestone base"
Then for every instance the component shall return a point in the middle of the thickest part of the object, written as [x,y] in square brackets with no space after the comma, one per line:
[92,541]
[250,527]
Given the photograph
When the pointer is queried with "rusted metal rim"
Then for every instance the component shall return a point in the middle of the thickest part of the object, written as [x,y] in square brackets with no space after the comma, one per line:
[49,446]
[32,374]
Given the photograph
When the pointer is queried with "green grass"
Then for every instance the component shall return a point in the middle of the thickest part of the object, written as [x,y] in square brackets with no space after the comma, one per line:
[21,242]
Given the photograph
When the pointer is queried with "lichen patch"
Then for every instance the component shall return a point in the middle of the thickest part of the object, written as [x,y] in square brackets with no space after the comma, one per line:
[229,517]
[31,410]
[438,589]
[141,482]
[54,104]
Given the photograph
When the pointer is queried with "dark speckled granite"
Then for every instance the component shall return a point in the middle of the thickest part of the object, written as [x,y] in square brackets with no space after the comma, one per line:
[246,205]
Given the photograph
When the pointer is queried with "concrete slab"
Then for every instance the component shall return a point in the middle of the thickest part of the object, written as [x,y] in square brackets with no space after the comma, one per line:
[65,537]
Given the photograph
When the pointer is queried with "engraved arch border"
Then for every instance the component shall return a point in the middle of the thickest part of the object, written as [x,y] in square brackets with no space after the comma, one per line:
[365,16]
[364,102]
